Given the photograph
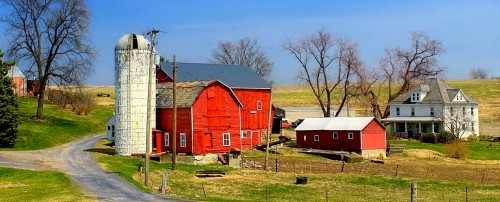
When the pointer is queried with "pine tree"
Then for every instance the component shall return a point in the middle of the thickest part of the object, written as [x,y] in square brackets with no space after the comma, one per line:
[9,107]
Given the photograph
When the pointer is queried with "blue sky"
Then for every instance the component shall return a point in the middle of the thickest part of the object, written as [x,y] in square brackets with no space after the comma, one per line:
[469,30]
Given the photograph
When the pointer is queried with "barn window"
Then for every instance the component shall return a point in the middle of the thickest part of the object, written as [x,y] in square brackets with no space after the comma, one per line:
[305,137]
[226,141]
[335,135]
[350,136]
[244,134]
[183,139]
[316,138]
[167,139]
[259,104]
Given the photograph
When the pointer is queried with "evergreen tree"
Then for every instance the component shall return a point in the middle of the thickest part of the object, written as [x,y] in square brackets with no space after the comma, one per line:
[9,107]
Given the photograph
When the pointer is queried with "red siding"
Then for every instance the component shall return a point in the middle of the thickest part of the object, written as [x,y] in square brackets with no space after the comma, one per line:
[326,140]
[252,118]
[161,77]
[19,86]
[374,136]
[215,112]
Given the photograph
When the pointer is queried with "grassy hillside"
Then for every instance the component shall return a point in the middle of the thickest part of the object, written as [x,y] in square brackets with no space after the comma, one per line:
[60,125]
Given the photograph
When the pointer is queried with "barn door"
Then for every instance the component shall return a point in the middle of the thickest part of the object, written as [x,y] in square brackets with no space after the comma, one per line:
[207,139]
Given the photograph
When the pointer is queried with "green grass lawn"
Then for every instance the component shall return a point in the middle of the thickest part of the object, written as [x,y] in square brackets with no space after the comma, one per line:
[28,185]
[60,125]
[477,150]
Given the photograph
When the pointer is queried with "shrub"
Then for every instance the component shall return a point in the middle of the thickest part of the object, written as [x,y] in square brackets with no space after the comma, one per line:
[483,137]
[429,138]
[472,138]
[390,135]
[82,103]
[457,149]
[445,137]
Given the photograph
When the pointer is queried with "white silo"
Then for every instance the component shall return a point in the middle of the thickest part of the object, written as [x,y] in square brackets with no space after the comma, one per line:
[132,60]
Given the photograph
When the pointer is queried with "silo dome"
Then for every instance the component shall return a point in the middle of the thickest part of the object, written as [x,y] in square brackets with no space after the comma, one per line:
[132,63]
[135,41]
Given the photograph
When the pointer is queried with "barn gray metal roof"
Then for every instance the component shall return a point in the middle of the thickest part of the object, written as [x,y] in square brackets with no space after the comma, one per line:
[439,93]
[234,76]
[187,93]
[335,123]
[14,72]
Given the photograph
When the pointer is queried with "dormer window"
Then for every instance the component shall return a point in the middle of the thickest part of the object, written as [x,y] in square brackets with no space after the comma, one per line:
[415,97]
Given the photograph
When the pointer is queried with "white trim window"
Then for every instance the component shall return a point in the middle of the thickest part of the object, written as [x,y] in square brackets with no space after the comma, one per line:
[244,134]
[397,111]
[335,135]
[166,136]
[226,139]
[259,104]
[316,138]
[183,139]
[350,136]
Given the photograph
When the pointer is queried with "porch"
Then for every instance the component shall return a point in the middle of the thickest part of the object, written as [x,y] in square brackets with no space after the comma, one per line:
[414,127]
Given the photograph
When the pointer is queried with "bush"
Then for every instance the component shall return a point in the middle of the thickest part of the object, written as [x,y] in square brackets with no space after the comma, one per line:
[457,149]
[429,138]
[483,137]
[82,103]
[390,135]
[445,137]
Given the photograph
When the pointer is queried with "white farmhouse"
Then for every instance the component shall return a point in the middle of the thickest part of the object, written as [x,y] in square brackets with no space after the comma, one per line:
[431,107]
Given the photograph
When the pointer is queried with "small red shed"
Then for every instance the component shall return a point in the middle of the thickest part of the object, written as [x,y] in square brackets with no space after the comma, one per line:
[364,135]
[18,79]
[208,118]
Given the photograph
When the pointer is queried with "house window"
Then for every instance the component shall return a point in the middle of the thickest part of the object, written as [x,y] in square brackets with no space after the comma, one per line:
[472,126]
[350,136]
[316,138]
[259,104]
[464,126]
[226,141]
[472,111]
[451,111]
[109,127]
[397,111]
[167,139]
[183,139]
[463,110]
[432,111]
[413,111]
[335,135]
[418,97]
[112,130]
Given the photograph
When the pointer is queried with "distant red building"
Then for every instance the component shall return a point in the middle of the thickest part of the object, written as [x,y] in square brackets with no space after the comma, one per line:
[364,135]
[18,79]
[251,90]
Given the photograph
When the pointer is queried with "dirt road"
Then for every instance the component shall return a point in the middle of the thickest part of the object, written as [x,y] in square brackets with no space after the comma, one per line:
[77,163]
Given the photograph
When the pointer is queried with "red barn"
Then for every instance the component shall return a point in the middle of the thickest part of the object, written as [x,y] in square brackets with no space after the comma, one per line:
[208,118]
[250,89]
[18,79]
[364,135]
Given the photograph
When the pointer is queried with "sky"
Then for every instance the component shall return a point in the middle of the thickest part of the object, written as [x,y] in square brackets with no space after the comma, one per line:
[468,30]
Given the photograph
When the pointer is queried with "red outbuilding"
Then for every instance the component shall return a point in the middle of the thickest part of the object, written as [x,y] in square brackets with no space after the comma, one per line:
[18,79]
[208,118]
[250,89]
[364,135]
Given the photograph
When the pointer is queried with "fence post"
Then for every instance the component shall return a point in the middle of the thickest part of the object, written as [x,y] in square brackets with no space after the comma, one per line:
[164,183]
[267,194]
[276,165]
[203,188]
[466,194]
[397,167]
[413,192]
[327,195]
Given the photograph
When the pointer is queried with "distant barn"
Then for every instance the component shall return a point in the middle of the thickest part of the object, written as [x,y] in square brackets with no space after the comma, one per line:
[18,79]
[364,135]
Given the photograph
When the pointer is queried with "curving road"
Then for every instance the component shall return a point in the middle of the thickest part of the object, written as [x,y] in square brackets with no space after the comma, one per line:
[80,166]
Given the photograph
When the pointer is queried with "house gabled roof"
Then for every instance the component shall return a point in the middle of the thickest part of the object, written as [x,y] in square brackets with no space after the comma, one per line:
[440,93]
[336,123]
[14,72]
[234,76]
[187,93]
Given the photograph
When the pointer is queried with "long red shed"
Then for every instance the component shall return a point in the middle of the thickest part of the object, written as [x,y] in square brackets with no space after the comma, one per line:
[208,118]
[364,135]
[251,90]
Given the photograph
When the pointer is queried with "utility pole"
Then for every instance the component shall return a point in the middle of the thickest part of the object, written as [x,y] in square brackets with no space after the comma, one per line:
[268,135]
[174,106]
[149,105]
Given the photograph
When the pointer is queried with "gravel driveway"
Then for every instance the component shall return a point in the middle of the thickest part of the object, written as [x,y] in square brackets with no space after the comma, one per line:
[80,166]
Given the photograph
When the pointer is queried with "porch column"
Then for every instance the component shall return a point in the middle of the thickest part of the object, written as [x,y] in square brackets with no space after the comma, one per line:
[432,127]
[406,127]
[419,127]
[394,128]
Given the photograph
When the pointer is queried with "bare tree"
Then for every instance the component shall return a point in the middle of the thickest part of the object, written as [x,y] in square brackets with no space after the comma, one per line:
[52,37]
[458,120]
[363,90]
[404,66]
[478,73]
[246,52]
[326,65]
